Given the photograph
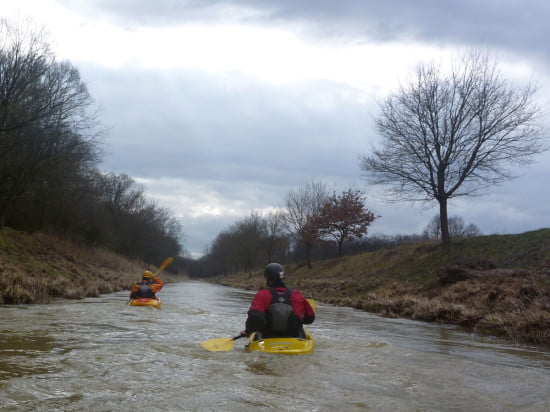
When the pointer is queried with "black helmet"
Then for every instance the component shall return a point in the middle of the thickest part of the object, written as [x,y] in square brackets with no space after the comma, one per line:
[274,271]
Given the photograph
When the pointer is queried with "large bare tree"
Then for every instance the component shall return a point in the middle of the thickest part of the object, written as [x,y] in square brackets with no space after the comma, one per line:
[454,132]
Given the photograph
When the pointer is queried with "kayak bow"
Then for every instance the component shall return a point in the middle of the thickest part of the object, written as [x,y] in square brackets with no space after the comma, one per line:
[288,346]
[155,303]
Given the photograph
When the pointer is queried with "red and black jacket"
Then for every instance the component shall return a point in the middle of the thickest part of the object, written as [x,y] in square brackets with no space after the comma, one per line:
[146,288]
[258,319]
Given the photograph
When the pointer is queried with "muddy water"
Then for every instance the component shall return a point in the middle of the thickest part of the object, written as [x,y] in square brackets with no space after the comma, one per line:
[101,355]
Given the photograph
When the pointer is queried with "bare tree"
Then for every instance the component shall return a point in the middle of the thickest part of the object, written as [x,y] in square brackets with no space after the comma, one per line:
[120,193]
[45,115]
[456,134]
[250,234]
[240,247]
[302,207]
[277,241]
[25,56]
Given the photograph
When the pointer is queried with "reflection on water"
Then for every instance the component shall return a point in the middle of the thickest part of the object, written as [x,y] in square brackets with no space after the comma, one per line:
[31,345]
[102,355]
[14,346]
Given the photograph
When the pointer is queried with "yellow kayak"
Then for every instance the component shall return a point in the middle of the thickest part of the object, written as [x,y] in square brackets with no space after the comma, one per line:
[288,346]
[155,303]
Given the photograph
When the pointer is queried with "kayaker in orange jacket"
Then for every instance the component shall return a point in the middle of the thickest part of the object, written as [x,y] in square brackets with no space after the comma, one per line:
[278,311]
[148,286]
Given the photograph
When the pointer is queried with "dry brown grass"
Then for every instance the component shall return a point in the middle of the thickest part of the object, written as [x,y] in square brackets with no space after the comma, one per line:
[507,302]
[35,268]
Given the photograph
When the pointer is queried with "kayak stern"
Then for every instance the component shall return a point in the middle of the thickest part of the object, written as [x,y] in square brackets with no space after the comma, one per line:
[288,346]
[155,303]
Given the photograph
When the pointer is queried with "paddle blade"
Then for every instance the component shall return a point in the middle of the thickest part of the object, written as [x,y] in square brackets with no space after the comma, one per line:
[218,344]
[312,304]
[165,263]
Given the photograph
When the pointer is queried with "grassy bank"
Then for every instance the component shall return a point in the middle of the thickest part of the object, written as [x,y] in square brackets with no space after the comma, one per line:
[36,268]
[497,285]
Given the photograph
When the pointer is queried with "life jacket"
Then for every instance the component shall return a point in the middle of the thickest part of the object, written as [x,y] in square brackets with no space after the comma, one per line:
[280,311]
[144,290]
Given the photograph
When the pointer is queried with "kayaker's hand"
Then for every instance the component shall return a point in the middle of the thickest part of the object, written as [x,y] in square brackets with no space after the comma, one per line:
[245,334]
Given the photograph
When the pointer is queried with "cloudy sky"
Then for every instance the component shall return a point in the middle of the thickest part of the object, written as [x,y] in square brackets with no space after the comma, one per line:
[220,107]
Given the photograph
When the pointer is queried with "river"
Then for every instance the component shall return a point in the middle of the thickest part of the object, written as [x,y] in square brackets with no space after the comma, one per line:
[98,354]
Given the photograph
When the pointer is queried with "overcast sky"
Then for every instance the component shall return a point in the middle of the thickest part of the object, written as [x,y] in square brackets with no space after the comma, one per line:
[220,107]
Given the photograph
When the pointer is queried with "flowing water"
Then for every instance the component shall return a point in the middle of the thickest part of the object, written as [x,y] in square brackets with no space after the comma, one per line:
[99,354]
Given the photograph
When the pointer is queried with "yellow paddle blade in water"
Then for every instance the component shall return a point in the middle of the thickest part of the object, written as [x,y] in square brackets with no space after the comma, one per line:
[218,344]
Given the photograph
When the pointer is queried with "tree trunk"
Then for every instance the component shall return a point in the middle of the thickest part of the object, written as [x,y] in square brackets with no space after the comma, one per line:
[340,248]
[445,238]
[308,255]
[4,210]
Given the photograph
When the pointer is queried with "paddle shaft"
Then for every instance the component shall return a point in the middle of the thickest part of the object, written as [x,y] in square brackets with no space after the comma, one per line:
[163,265]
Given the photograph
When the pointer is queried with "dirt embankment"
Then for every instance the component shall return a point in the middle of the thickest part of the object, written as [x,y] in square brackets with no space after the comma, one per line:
[509,303]
[36,268]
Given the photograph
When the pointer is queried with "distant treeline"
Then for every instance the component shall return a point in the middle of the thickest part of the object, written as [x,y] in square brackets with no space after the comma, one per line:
[215,264]
[312,225]
[50,150]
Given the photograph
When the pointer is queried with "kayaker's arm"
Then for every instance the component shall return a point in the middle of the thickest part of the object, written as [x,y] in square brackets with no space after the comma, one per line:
[156,285]
[256,320]
[302,308]
[309,313]
[134,290]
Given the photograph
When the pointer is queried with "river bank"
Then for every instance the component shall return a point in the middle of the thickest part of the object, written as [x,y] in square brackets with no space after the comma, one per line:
[39,267]
[495,285]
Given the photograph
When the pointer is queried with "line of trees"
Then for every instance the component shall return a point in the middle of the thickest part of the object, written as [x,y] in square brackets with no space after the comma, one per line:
[312,224]
[340,225]
[50,150]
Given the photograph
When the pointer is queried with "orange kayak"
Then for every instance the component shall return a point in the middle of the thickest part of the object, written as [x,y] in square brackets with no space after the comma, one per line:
[155,303]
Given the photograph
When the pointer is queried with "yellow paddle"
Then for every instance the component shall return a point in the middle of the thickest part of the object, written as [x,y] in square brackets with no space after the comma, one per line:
[220,344]
[163,265]
[312,304]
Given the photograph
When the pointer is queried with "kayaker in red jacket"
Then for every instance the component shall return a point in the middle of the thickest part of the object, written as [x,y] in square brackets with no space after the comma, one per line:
[148,286]
[278,311]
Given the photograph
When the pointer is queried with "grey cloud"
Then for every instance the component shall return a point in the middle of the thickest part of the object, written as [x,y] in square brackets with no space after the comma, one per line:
[250,143]
[199,129]
[506,24]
